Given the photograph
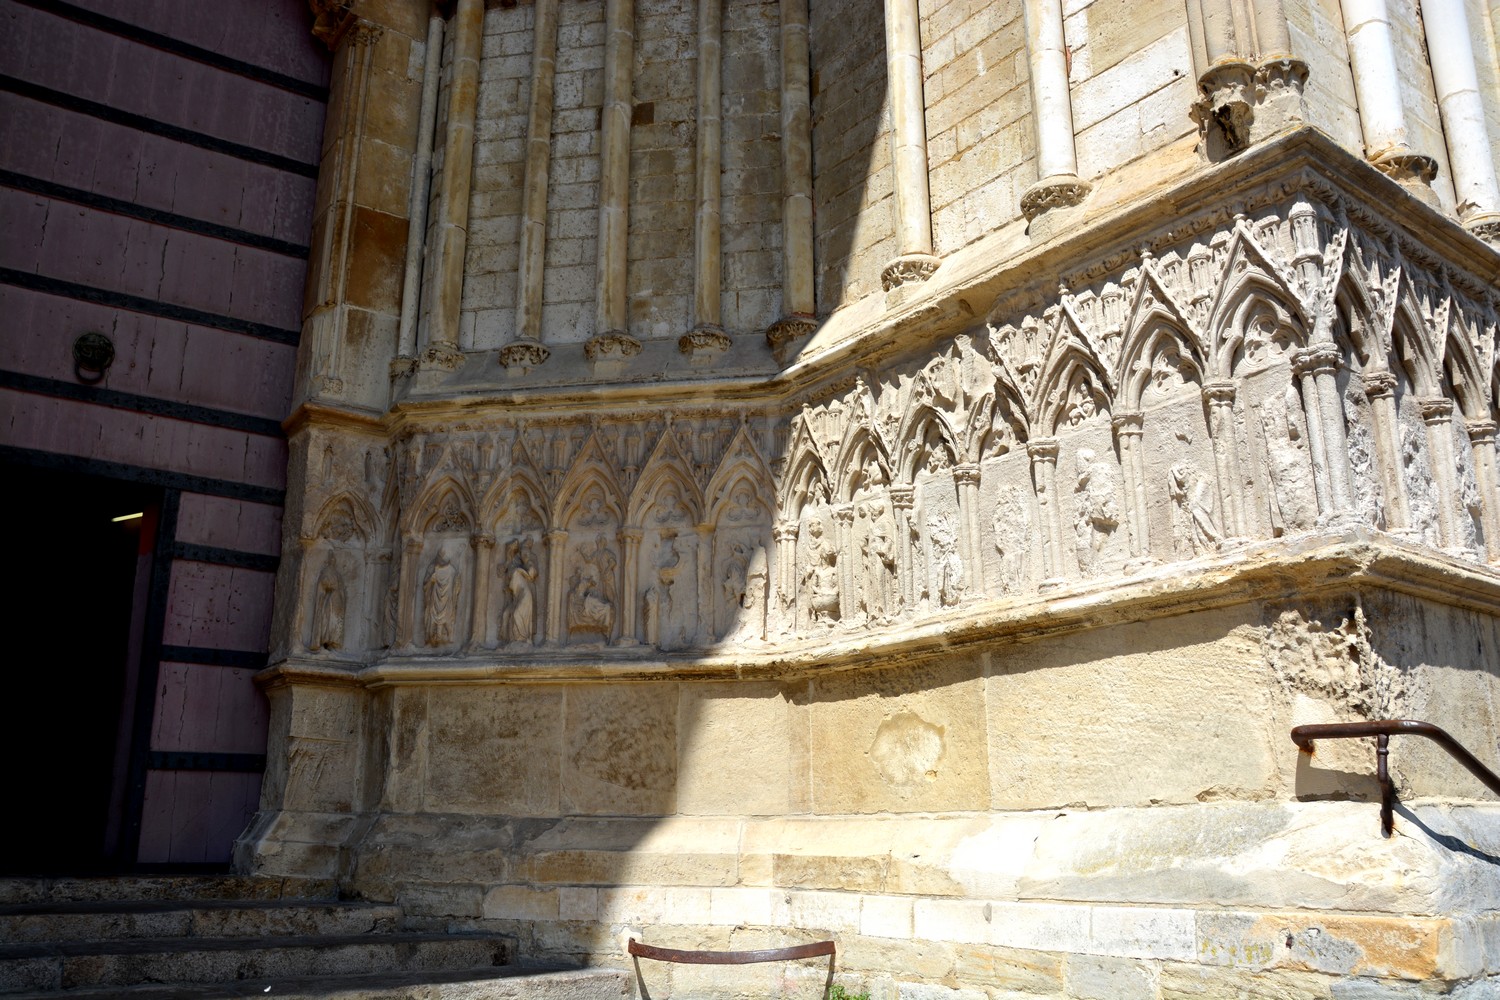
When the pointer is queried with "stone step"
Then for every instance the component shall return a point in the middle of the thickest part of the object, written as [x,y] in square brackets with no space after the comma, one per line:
[109,921]
[510,983]
[95,964]
[19,890]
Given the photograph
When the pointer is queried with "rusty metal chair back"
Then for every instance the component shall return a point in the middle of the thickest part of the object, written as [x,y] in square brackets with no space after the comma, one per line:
[817,949]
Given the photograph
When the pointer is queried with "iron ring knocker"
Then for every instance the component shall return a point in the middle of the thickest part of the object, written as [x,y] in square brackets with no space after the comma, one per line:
[93,353]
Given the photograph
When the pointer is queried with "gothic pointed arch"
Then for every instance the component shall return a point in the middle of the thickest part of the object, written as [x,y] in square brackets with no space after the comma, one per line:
[1153,306]
[445,504]
[1073,387]
[1251,281]
[665,468]
[1160,348]
[741,467]
[860,446]
[806,473]
[589,487]
[924,430]
[345,516]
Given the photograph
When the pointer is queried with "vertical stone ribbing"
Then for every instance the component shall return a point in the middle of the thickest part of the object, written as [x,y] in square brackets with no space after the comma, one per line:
[421,189]
[903,53]
[1377,84]
[1454,74]
[526,350]
[1057,184]
[453,203]
[611,321]
[707,333]
[797,281]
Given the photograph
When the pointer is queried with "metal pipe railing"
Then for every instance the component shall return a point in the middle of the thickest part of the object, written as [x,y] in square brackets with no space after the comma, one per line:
[1383,730]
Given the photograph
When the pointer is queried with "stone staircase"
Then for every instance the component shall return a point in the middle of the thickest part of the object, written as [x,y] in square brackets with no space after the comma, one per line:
[186,938]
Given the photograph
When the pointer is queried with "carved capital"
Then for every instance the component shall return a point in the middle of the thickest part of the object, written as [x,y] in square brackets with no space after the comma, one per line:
[785,331]
[331,19]
[556,536]
[902,497]
[1128,423]
[706,339]
[785,531]
[443,356]
[966,474]
[1436,410]
[1379,384]
[524,354]
[1042,450]
[1060,191]
[403,366]
[1481,431]
[907,269]
[844,515]
[1219,393]
[484,540]
[1406,167]
[632,536]
[1318,359]
[1280,74]
[611,342]
[1226,108]
[1485,226]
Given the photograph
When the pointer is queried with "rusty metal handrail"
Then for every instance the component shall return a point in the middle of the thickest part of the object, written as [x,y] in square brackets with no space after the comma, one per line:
[816,949]
[1383,730]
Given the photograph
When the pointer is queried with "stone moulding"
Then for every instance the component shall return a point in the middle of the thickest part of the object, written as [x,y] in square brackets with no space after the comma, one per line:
[1319,565]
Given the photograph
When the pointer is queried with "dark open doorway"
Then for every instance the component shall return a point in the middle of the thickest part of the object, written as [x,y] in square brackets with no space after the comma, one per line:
[79,570]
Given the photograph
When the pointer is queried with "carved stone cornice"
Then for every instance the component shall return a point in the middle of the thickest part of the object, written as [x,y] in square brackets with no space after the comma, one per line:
[611,342]
[910,268]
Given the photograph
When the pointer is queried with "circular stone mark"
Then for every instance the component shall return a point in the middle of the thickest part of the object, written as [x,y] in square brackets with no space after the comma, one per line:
[906,751]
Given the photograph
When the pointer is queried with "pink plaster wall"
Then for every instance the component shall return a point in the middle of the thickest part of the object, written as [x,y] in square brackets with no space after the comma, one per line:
[229,524]
[188,815]
[218,607]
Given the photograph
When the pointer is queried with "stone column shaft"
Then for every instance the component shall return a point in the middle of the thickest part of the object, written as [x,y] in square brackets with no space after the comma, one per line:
[612,319]
[421,190]
[706,232]
[796,164]
[1128,428]
[843,533]
[966,482]
[1437,414]
[1456,78]
[1316,444]
[1377,82]
[1057,183]
[630,624]
[902,499]
[1220,396]
[1482,440]
[533,249]
[785,600]
[1380,387]
[1043,453]
[484,568]
[557,561]
[705,596]
[458,164]
[903,53]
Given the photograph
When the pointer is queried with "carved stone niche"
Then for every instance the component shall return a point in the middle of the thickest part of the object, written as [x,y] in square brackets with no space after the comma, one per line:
[515,618]
[741,543]
[440,577]
[1172,480]
[667,575]
[336,609]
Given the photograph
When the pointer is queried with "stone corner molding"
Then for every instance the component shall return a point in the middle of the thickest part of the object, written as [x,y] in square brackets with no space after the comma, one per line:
[610,342]
[524,354]
[909,268]
[705,339]
[1053,192]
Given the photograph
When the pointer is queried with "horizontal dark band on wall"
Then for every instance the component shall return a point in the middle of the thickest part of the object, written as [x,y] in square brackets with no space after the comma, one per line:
[197,760]
[151,307]
[118,206]
[115,399]
[225,557]
[177,47]
[129,119]
[164,478]
[204,657]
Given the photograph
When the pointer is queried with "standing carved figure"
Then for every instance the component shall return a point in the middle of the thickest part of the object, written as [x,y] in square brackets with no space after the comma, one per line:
[1198,530]
[519,623]
[440,600]
[591,595]
[1293,501]
[820,576]
[949,565]
[1012,538]
[1096,510]
[656,608]
[877,550]
[732,586]
[328,609]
